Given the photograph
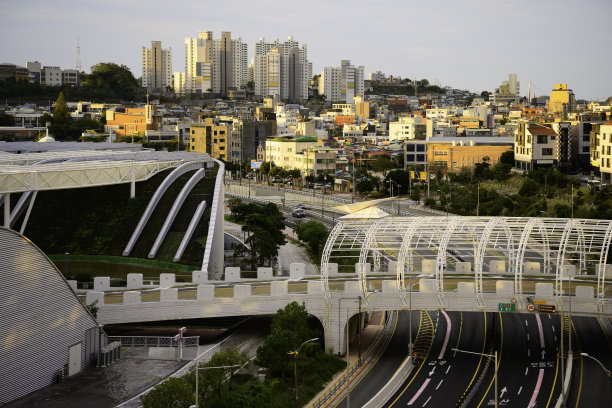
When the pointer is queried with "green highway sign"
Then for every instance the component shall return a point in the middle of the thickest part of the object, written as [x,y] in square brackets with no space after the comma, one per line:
[507,307]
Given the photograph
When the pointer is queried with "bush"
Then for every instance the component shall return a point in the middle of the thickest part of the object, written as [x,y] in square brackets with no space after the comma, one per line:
[172,393]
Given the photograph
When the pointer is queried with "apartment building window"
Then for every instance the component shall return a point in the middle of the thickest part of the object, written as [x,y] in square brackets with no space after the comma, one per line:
[547,152]
[585,149]
[420,157]
[410,157]
[542,139]
[440,152]
[586,138]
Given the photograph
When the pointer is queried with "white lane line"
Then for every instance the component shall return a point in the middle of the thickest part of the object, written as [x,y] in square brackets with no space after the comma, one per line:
[537,388]
[447,369]
[549,317]
[555,338]
[427,400]
[526,370]
[540,330]
[553,328]
[527,336]
[519,391]
[419,392]
[529,352]
[526,323]
[448,330]
[439,384]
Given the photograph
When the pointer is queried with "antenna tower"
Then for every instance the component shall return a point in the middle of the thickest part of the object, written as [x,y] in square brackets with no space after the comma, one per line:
[79,67]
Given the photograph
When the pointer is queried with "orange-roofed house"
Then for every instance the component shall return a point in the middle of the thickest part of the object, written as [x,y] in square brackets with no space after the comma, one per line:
[134,121]
[535,146]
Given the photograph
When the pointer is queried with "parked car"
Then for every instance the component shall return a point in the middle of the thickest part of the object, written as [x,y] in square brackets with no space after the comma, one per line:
[302,206]
[318,186]
[298,213]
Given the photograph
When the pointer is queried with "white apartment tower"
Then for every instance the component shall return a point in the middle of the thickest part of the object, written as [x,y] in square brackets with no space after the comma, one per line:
[214,65]
[343,83]
[156,67]
[281,69]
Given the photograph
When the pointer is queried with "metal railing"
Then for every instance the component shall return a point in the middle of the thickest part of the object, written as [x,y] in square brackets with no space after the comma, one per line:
[369,354]
[152,341]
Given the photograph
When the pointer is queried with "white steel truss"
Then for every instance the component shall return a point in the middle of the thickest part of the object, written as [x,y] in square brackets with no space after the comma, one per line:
[549,243]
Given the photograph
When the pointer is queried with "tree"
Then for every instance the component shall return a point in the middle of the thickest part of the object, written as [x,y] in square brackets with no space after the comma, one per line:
[6,120]
[485,95]
[61,119]
[265,225]
[529,188]
[212,380]
[507,157]
[172,393]
[382,164]
[111,81]
[289,330]
[314,234]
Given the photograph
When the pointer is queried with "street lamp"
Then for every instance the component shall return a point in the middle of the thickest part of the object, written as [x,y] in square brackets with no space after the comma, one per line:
[391,191]
[295,354]
[489,356]
[608,372]
[208,368]
[66,264]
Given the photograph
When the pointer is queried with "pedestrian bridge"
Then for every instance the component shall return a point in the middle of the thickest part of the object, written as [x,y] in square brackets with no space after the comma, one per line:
[520,265]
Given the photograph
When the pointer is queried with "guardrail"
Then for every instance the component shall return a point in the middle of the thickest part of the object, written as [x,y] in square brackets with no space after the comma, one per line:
[152,341]
[369,354]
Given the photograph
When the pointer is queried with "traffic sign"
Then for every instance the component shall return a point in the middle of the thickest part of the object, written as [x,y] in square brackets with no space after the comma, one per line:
[546,308]
[507,307]
[539,302]
[513,300]
[531,307]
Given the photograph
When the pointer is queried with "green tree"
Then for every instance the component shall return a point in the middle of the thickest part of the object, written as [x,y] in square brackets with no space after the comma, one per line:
[507,157]
[172,393]
[211,381]
[62,120]
[529,188]
[382,164]
[289,330]
[112,82]
[6,120]
[265,226]
[314,234]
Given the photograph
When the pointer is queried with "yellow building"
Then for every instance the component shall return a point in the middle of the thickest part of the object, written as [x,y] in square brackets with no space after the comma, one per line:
[210,137]
[562,100]
[455,157]
[601,151]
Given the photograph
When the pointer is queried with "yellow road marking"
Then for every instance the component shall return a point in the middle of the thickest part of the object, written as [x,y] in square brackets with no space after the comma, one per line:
[501,346]
[554,382]
[581,368]
[415,374]
[460,328]
[481,351]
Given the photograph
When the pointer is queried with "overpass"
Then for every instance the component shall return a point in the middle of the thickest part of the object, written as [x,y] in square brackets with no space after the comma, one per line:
[443,278]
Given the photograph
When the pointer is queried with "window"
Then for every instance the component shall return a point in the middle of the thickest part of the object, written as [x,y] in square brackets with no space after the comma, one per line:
[585,149]
[542,139]
[410,148]
[410,157]
[420,157]
[547,152]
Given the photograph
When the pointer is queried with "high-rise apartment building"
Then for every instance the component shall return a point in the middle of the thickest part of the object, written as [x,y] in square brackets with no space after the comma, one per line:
[281,69]
[562,100]
[508,91]
[156,67]
[214,65]
[343,83]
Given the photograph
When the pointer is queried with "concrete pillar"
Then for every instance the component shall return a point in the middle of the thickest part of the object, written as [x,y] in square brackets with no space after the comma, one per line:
[365,268]
[428,266]
[232,274]
[504,287]
[532,268]
[334,330]
[168,294]
[242,291]
[544,290]
[134,280]
[607,270]
[392,267]
[428,286]
[264,273]
[167,280]
[463,268]
[297,271]
[332,269]
[351,288]
[279,288]
[206,292]
[497,267]
[73,284]
[101,283]
[568,271]
[585,292]
[465,288]
[93,296]
[199,277]
[132,298]
[7,210]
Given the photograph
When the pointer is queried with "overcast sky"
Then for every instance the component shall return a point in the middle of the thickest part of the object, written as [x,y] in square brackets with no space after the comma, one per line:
[467,44]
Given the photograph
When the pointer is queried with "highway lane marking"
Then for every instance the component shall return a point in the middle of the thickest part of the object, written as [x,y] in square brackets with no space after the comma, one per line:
[540,331]
[481,352]
[419,392]
[448,330]
[529,352]
[460,329]
[519,391]
[439,384]
[427,400]
[549,317]
[526,323]
[526,370]
[552,391]
[447,369]
[580,386]
[553,327]
[501,346]
[534,396]
[527,336]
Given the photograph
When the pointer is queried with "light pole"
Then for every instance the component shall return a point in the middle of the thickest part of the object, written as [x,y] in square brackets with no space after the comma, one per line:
[391,188]
[489,356]
[410,345]
[66,265]
[207,368]
[295,354]
[608,372]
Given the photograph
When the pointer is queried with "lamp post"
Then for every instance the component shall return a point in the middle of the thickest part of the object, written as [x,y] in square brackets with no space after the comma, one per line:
[207,368]
[410,345]
[295,354]
[608,372]
[391,188]
[489,356]
[66,264]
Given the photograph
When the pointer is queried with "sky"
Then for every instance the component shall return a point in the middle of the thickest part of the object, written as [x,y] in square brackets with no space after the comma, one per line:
[465,44]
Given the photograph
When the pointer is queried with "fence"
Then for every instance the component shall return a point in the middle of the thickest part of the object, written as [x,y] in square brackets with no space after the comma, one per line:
[152,341]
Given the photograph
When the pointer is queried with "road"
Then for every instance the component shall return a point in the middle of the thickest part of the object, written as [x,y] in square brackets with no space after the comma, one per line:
[381,371]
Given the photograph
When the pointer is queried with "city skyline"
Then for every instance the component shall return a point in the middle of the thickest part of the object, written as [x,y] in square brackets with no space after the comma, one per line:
[466,45]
